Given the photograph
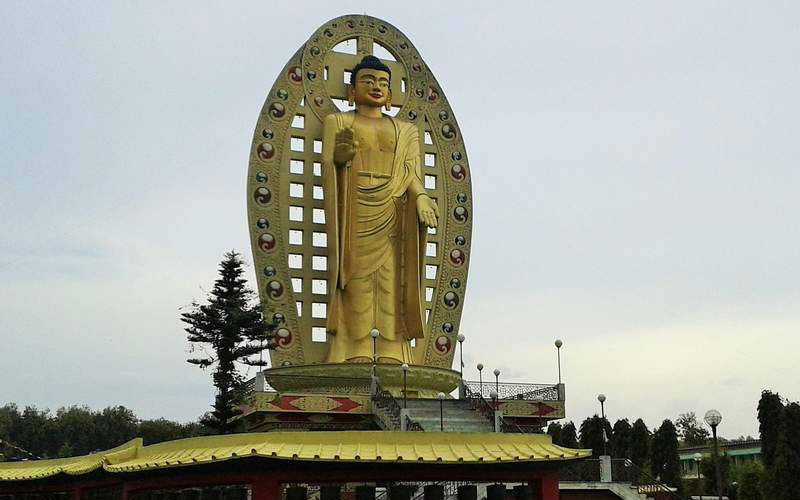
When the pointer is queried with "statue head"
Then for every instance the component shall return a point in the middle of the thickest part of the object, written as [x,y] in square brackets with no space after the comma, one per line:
[370,83]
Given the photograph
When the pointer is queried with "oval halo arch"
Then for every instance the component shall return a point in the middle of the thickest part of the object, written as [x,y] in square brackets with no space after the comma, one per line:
[285,195]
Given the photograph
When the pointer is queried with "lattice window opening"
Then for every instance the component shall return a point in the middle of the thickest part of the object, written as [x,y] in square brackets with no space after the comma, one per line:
[319,286]
[295,261]
[299,121]
[342,104]
[325,73]
[348,46]
[296,189]
[346,77]
[319,334]
[319,310]
[299,305]
[317,193]
[318,216]
[317,169]
[297,285]
[297,144]
[381,52]
[319,263]
[428,293]
[430,160]
[430,182]
[428,139]
[295,213]
[430,249]
[317,146]
[431,270]
[295,236]
[296,167]
[319,240]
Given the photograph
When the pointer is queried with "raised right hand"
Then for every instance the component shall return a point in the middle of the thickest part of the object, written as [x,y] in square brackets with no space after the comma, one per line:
[346,146]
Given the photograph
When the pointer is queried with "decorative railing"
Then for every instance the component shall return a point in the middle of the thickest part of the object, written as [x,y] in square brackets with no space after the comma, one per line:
[479,403]
[385,407]
[303,383]
[509,390]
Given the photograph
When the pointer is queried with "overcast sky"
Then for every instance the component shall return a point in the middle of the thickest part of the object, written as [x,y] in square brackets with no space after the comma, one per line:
[635,177]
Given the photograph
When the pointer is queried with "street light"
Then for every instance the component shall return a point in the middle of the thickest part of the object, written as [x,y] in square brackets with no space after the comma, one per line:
[461,338]
[558,350]
[602,399]
[713,418]
[480,377]
[493,395]
[441,411]
[404,366]
[497,380]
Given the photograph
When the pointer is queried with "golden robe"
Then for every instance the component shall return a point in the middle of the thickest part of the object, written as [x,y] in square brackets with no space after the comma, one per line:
[376,250]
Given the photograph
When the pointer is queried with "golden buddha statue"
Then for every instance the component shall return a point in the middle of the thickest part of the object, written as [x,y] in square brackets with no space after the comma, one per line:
[378,212]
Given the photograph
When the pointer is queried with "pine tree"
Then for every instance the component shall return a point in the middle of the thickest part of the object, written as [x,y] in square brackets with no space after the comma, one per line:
[592,434]
[664,455]
[231,325]
[554,431]
[621,439]
[770,407]
[786,465]
[569,436]
[640,444]
[690,430]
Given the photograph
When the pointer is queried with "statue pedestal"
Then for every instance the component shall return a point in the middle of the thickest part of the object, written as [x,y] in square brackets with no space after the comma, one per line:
[354,379]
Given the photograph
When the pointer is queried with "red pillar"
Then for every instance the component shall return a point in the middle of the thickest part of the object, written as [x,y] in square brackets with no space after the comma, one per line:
[545,487]
[265,488]
[77,493]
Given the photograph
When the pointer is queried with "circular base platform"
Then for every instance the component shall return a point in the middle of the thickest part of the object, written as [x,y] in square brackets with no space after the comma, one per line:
[354,378]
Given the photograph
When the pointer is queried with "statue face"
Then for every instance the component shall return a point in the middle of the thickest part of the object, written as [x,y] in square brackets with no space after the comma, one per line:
[371,88]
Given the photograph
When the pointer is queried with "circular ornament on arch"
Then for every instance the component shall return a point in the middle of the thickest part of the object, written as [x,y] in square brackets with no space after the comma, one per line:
[262,195]
[274,289]
[266,242]
[443,344]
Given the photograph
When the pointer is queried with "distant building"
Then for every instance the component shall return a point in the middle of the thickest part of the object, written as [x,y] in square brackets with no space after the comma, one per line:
[739,452]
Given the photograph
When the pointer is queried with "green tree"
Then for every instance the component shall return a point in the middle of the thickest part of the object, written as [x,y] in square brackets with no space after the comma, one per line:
[554,431]
[592,435]
[161,429]
[569,436]
[709,471]
[749,487]
[640,445]
[690,430]
[228,329]
[785,474]
[770,407]
[77,431]
[115,425]
[621,439]
[664,459]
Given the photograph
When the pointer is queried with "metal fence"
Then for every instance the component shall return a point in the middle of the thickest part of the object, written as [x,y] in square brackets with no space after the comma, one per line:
[508,390]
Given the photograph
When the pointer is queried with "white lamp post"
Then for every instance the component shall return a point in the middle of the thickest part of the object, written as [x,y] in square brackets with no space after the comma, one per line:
[441,411]
[602,399]
[713,418]
[558,350]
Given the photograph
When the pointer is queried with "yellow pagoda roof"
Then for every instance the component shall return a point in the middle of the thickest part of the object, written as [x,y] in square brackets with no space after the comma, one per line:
[349,446]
